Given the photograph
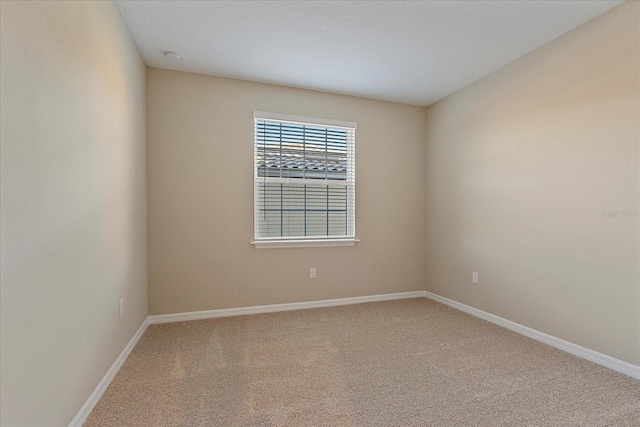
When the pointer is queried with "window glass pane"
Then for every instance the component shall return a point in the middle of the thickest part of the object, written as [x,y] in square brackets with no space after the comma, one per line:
[300,151]
[304,180]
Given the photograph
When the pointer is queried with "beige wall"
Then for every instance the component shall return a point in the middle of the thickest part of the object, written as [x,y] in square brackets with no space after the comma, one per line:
[73,218]
[521,167]
[200,186]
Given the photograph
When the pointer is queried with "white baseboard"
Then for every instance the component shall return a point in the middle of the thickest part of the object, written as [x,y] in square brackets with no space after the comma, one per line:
[225,312]
[585,353]
[86,409]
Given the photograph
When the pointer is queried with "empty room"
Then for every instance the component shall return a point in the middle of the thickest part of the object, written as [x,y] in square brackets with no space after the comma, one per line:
[319,213]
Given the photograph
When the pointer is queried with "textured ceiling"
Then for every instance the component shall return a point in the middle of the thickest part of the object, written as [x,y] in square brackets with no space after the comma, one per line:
[414,52]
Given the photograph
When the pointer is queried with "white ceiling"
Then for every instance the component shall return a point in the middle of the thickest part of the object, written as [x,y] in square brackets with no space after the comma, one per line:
[414,52]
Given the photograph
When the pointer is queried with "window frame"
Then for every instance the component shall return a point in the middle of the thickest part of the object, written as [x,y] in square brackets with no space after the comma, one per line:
[312,241]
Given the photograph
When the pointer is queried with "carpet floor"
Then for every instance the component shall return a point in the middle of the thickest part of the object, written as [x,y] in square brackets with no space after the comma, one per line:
[396,363]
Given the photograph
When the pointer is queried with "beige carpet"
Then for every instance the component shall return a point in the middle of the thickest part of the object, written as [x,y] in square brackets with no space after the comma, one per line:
[397,363]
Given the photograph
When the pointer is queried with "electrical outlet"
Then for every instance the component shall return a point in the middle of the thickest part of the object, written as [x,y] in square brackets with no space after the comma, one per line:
[474,277]
[121,307]
[312,273]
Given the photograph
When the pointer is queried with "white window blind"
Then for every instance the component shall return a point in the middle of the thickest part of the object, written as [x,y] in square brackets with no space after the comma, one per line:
[304,178]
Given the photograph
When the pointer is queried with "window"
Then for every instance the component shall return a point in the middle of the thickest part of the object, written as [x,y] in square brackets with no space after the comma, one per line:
[304,181]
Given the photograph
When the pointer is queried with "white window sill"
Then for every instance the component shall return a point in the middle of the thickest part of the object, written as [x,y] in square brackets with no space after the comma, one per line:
[303,243]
